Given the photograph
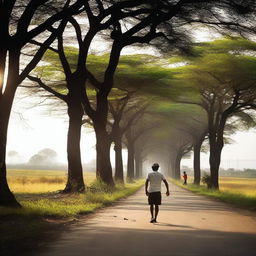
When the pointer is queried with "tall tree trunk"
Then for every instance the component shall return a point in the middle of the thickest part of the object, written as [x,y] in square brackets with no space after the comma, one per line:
[138,166]
[103,168]
[103,142]
[215,157]
[119,170]
[75,182]
[197,158]
[196,163]
[177,165]
[6,196]
[172,165]
[216,145]
[130,161]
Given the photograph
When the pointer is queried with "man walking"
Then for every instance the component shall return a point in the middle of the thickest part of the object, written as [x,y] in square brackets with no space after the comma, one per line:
[154,193]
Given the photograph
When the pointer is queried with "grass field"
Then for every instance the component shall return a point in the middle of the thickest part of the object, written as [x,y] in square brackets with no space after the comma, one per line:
[238,191]
[245,186]
[38,191]
[45,210]
[40,181]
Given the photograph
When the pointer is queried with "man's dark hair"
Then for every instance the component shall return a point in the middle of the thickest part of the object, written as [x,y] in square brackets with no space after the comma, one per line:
[155,166]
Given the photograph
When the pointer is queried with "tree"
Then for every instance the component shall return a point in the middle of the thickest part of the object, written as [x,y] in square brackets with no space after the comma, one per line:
[224,76]
[66,92]
[16,35]
[125,112]
[45,157]
[134,132]
[147,21]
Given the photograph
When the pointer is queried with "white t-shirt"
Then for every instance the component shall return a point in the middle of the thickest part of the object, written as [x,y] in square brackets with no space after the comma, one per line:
[155,178]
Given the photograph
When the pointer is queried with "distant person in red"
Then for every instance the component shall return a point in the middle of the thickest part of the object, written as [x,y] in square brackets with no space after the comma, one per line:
[185,177]
[154,180]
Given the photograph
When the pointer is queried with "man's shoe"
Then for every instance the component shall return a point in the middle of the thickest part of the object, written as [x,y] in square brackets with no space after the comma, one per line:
[152,220]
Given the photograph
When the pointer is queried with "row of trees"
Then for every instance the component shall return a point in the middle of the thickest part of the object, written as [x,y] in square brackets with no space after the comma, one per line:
[210,77]
[30,28]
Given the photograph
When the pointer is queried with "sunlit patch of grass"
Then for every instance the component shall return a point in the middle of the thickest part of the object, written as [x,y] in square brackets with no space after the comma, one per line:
[246,186]
[37,191]
[40,181]
[238,194]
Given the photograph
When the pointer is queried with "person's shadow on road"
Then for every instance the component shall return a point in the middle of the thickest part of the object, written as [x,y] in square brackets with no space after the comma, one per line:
[171,225]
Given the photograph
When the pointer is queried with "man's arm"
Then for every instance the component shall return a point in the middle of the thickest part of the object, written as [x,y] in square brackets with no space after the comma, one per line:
[167,187]
[146,187]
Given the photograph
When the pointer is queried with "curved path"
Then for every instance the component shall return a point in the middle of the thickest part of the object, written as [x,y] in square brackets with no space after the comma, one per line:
[188,225]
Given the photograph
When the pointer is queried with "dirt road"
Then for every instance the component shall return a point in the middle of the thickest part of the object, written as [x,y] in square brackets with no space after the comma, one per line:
[188,225]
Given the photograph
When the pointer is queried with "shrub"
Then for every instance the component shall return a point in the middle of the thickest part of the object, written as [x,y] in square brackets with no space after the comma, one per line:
[206,179]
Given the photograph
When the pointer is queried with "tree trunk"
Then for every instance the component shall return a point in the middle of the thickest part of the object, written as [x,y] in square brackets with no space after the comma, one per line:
[75,182]
[103,164]
[130,161]
[177,166]
[216,145]
[6,196]
[214,160]
[196,163]
[103,142]
[119,170]
[197,159]
[138,166]
[172,165]
[215,157]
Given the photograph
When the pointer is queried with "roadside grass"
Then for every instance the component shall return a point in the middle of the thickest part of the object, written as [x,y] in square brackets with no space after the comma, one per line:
[45,210]
[238,191]
[59,205]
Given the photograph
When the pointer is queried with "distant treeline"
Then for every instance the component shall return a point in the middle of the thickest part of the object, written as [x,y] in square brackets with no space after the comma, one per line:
[56,167]
[37,167]
[231,172]
[246,173]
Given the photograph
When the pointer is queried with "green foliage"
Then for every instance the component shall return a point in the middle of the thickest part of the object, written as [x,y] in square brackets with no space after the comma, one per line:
[225,45]
[215,72]
[219,63]
[206,179]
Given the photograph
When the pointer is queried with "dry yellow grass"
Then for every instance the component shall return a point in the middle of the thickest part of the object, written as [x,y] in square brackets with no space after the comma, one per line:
[246,186]
[40,181]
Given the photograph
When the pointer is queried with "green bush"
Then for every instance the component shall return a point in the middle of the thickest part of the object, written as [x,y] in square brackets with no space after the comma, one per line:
[206,179]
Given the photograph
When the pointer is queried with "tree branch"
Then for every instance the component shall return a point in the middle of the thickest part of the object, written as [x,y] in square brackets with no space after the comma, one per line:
[47,88]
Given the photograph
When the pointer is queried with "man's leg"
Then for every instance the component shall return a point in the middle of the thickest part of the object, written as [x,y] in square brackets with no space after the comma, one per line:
[156,211]
[152,211]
